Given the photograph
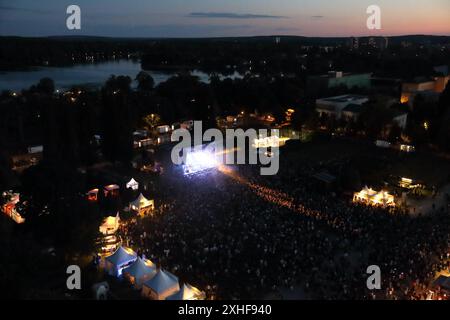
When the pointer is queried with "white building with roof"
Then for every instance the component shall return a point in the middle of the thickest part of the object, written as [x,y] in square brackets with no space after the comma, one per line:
[333,106]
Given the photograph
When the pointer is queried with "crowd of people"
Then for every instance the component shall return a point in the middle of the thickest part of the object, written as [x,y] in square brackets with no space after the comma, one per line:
[236,235]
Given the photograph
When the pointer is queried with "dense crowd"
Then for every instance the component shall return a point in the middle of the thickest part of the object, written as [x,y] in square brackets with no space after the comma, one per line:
[236,234]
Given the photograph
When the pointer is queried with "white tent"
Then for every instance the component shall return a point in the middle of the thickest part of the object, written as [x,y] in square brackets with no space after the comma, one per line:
[140,271]
[110,225]
[142,204]
[187,292]
[120,259]
[162,285]
[132,184]
[372,197]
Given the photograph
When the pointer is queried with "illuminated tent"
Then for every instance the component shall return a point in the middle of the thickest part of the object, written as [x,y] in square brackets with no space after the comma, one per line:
[120,259]
[110,225]
[187,292]
[9,208]
[109,244]
[162,285]
[140,271]
[132,184]
[92,195]
[111,190]
[142,204]
[372,197]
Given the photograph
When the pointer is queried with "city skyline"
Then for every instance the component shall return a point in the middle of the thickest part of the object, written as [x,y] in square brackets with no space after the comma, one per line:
[199,18]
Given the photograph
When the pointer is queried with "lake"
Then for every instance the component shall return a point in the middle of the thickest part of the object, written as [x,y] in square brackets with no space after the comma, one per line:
[87,74]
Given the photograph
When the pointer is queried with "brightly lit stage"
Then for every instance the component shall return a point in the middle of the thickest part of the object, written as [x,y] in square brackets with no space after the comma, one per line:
[200,160]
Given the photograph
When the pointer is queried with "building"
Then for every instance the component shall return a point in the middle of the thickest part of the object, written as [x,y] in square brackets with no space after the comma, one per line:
[335,79]
[352,112]
[353,43]
[428,88]
[378,42]
[333,106]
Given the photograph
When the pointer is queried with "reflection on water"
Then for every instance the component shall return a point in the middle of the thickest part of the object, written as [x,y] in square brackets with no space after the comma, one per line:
[86,74]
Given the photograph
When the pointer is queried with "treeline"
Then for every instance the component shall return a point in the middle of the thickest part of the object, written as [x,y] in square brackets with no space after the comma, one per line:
[19,53]
[294,56]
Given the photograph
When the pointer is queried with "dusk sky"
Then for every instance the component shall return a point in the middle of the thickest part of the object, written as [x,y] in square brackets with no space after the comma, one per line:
[212,18]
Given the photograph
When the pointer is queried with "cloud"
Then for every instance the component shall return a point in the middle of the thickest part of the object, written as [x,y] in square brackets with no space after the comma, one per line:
[229,15]
[7,8]
[163,30]
[287,29]
[317,17]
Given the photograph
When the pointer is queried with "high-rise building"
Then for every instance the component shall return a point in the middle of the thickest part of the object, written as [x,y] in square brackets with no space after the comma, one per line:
[354,43]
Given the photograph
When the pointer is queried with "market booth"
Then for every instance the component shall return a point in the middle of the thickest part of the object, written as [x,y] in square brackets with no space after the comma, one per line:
[132,184]
[111,190]
[162,285]
[9,207]
[187,292]
[122,258]
[142,205]
[92,195]
[110,225]
[372,197]
[139,271]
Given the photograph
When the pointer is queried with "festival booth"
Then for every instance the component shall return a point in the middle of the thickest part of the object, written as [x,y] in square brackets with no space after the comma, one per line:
[9,208]
[142,205]
[111,190]
[110,225]
[122,258]
[109,244]
[162,285]
[140,271]
[188,292]
[92,195]
[372,197]
[132,184]
[443,283]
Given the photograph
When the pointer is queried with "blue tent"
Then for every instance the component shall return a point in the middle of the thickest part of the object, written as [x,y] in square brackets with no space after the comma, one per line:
[119,260]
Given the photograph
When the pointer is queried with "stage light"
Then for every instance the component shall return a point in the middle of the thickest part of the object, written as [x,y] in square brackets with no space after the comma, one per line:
[198,161]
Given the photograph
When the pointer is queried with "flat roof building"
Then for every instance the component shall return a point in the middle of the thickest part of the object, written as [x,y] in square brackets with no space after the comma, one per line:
[333,106]
[336,79]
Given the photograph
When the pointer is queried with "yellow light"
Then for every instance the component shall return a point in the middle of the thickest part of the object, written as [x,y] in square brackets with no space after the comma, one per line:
[404,99]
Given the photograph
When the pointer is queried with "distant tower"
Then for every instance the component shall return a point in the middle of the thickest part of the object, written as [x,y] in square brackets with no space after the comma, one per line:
[277,40]
[354,43]
[385,42]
